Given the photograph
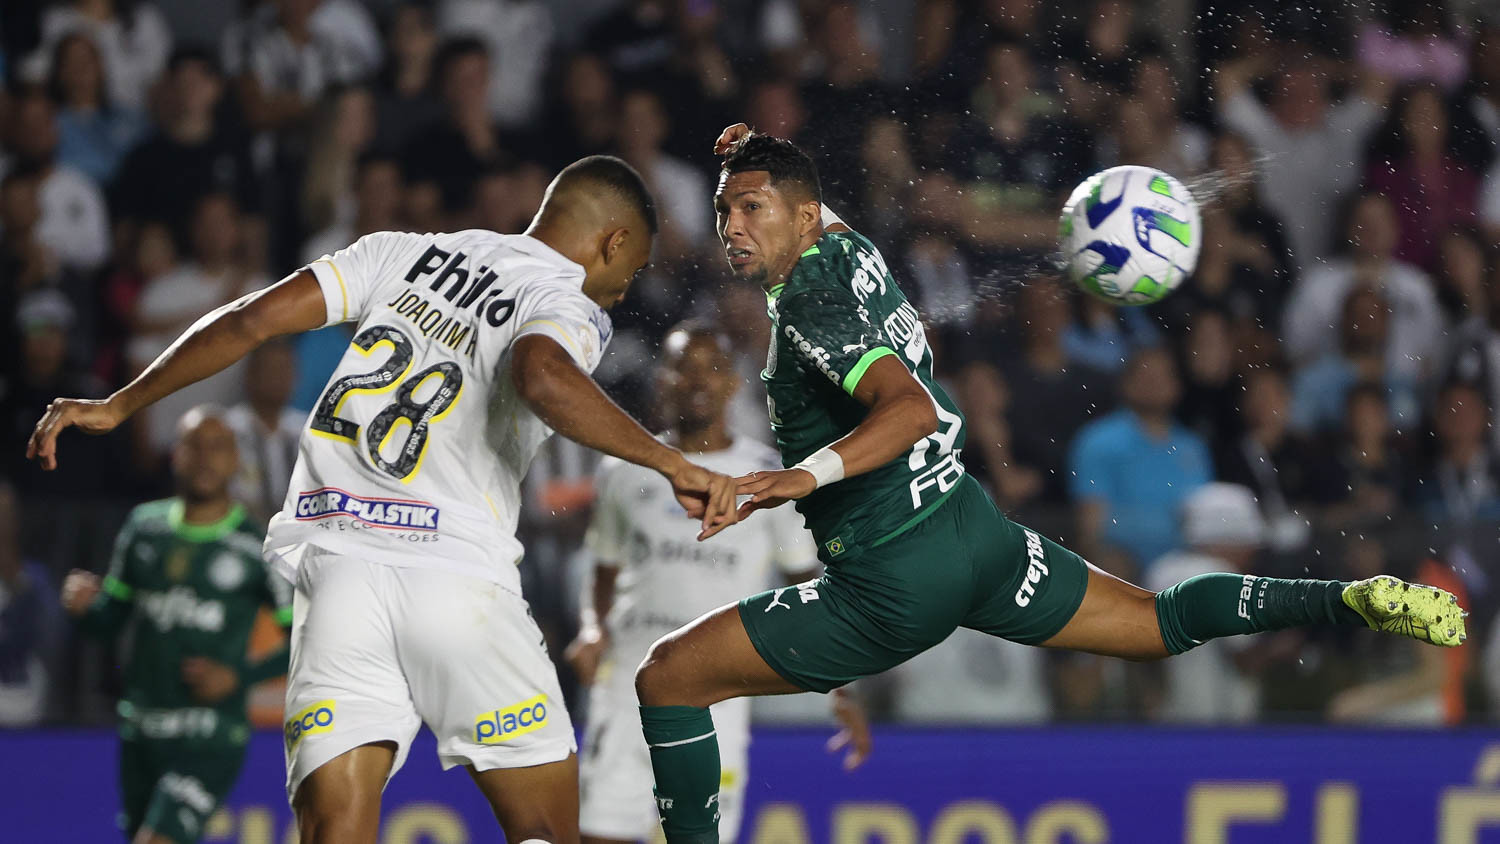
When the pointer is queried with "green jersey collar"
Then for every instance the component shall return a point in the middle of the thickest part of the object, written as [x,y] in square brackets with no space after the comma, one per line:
[210,532]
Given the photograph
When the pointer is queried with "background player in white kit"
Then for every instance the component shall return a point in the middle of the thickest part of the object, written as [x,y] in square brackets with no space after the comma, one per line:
[650,578]
[398,527]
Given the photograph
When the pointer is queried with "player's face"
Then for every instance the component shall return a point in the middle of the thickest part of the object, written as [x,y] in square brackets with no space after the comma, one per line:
[204,459]
[697,381]
[758,225]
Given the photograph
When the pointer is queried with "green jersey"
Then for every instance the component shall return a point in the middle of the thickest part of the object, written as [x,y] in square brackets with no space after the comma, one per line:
[839,312]
[191,591]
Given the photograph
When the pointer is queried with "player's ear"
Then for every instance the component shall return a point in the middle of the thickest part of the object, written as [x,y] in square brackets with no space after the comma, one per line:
[809,216]
[614,241]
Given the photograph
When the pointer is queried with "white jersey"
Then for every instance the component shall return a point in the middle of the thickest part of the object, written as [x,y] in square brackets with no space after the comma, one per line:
[414,454]
[667,577]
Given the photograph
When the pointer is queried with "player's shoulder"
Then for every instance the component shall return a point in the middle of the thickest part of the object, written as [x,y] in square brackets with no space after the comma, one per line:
[843,262]
[247,538]
[152,518]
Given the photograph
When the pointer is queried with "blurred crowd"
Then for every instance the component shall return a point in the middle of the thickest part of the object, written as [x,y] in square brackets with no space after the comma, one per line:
[1317,399]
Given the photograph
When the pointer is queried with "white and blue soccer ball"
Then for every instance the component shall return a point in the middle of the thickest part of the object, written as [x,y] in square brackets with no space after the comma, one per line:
[1130,235]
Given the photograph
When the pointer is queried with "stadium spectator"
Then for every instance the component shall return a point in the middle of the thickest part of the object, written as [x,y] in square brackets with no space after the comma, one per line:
[1271,459]
[1360,472]
[1464,289]
[1414,41]
[1186,146]
[1245,266]
[267,430]
[635,38]
[151,254]
[1212,387]
[74,223]
[451,152]
[1103,336]
[736,311]
[886,192]
[586,112]
[194,152]
[776,108]
[30,624]
[843,95]
[1414,350]
[1222,530]
[375,189]
[25,261]
[345,131]
[47,368]
[1016,155]
[94,133]
[1319,388]
[405,87]
[992,459]
[216,274]
[133,39]
[1463,481]
[285,54]
[941,282]
[518,36]
[1432,188]
[1129,471]
[1310,147]
[686,220]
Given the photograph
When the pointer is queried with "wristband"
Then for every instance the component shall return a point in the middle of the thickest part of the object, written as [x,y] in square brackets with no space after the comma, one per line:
[825,465]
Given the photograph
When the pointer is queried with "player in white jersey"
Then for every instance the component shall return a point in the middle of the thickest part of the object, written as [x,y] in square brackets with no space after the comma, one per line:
[651,578]
[398,527]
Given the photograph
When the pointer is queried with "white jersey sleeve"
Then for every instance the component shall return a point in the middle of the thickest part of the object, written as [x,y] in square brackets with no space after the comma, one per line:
[351,276]
[571,321]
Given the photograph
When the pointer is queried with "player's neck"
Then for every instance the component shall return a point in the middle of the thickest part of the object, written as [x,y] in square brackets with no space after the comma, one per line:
[711,438]
[779,276]
[205,511]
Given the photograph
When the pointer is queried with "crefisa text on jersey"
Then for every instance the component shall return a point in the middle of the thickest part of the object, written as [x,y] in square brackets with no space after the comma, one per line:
[450,270]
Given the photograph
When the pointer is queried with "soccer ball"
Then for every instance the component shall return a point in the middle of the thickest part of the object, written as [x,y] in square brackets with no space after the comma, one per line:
[1130,235]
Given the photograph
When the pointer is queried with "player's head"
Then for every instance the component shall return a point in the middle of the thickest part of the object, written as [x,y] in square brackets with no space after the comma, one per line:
[206,455]
[768,203]
[696,376]
[599,212]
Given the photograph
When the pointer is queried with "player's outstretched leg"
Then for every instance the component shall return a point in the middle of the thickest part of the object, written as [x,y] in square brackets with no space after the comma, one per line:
[534,804]
[339,802]
[710,660]
[1119,619]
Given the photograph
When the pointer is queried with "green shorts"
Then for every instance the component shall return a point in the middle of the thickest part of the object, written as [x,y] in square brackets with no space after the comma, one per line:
[966,565]
[173,789]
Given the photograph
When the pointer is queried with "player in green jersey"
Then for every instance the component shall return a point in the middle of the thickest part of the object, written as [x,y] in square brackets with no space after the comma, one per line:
[188,572]
[913,547]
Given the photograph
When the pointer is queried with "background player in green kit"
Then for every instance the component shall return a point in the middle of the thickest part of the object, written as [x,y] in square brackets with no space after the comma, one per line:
[188,572]
[913,547]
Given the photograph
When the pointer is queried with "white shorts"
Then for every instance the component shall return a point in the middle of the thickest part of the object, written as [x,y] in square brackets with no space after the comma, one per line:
[615,776]
[378,650]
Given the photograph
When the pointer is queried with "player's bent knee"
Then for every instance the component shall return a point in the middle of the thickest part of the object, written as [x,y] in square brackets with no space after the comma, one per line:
[653,676]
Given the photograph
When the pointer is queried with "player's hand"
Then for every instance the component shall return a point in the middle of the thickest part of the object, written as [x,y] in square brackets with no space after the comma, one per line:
[78,591]
[705,495]
[729,137]
[855,735]
[773,489]
[88,415]
[585,652]
[209,681]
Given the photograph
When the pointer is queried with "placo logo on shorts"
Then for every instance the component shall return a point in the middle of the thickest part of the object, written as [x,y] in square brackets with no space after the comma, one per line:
[317,718]
[502,725]
[390,513]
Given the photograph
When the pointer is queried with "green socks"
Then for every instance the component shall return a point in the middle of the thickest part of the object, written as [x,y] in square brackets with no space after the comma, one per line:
[685,759]
[1213,605]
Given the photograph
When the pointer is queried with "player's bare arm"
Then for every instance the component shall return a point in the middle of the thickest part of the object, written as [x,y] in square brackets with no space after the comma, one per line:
[901,413]
[219,339]
[564,397]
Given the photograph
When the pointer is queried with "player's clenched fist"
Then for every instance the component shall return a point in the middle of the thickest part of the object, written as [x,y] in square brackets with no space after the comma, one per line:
[704,495]
[88,415]
[729,137]
[78,591]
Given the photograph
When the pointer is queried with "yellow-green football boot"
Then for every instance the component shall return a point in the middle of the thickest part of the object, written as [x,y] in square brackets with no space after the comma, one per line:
[1425,613]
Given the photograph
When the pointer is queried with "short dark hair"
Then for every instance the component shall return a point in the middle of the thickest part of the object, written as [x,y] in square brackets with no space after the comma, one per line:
[614,176]
[777,156]
[453,49]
